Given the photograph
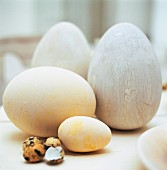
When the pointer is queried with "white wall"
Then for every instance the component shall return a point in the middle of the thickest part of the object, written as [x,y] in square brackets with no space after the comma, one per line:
[159,29]
[136,12]
[16,17]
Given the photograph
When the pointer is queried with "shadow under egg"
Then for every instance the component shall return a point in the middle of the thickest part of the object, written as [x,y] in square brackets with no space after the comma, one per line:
[93,153]
[18,136]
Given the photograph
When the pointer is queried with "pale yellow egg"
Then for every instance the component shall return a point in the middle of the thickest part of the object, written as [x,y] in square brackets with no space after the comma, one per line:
[84,134]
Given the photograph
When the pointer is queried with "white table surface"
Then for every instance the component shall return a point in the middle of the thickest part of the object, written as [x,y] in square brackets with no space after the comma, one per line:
[120,154]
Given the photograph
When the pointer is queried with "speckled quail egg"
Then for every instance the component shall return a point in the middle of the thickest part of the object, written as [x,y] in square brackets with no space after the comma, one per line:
[34,153]
[31,141]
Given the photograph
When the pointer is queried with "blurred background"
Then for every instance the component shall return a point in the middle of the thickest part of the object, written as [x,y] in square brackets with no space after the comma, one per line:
[23,22]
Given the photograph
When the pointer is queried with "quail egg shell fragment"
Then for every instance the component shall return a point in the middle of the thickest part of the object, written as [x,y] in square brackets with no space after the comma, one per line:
[52,141]
[84,134]
[54,155]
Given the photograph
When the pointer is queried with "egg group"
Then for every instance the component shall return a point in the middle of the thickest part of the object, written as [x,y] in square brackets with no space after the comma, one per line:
[39,99]
[126,78]
[84,134]
[54,99]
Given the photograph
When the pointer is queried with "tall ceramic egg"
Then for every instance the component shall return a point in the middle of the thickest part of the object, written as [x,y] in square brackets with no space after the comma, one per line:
[65,46]
[126,78]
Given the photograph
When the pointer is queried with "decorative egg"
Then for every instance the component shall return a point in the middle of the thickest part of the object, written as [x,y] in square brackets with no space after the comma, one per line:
[84,134]
[125,76]
[151,147]
[39,99]
[65,46]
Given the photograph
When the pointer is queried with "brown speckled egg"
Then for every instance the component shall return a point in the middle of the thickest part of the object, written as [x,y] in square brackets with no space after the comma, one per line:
[34,153]
[31,141]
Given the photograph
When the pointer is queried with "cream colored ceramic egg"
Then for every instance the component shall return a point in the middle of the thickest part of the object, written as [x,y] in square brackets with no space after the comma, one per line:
[125,76]
[84,134]
[152,149]
[39,99]
[65,46]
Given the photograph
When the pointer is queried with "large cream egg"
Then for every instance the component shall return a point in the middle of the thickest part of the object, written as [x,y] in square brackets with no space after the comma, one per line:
[65,46]
[39,99]
[84,134]
[125,76]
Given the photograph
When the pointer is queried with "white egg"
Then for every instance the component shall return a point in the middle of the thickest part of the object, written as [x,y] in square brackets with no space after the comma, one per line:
[39,99]
[65,46]
[126,78]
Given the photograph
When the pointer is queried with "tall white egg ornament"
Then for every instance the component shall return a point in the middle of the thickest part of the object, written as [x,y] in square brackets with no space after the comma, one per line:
[126,78]
[64,46]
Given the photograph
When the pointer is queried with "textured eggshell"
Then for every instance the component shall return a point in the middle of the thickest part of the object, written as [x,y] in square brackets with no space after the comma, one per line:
[125,76]
[65,46]
[39,99]
[84,134]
